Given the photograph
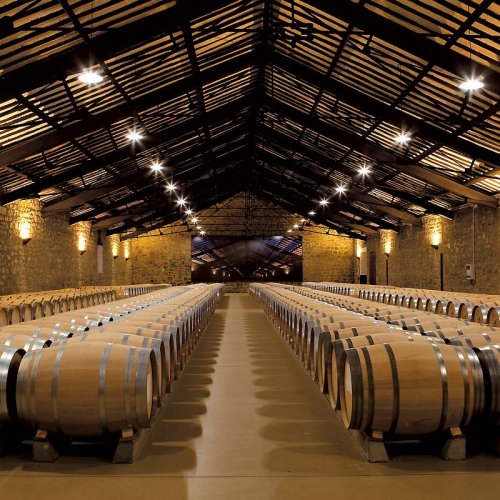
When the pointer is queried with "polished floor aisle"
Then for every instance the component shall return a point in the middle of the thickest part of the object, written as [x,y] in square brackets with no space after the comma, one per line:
[246,422]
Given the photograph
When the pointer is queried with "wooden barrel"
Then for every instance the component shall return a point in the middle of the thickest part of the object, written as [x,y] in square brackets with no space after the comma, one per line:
[338,348]
[157,345]
[480,313]
[87,389]
[476,339]
[465,311]
[453,331]
[10,360]
[494,316]
[15,315]
[310,356]
[170,339]
[489,357]
[410,389]
[452,308]
[4,316]
[429,326]
[24,342]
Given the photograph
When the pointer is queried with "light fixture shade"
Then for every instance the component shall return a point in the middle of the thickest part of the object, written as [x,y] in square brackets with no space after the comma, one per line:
[387,248]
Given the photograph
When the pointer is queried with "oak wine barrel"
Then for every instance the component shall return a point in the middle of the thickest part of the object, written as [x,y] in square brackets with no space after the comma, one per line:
[87,389]
[407,388]
[10,360]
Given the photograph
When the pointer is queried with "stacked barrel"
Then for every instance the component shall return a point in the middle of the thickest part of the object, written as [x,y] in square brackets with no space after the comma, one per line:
[18,308]
[108,367]
[386,368]
[484,309]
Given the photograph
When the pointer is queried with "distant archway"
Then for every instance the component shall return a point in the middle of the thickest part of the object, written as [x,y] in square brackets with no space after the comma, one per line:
[372,268]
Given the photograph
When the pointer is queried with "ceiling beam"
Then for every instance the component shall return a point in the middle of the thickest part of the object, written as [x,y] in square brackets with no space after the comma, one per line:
[383,111]
[174,216]
[327,163]
[196,191]
[382,155]
[300,191]
[105,119]
[410,41]
[123,153]
[175,163]
[352,194]
[109,44]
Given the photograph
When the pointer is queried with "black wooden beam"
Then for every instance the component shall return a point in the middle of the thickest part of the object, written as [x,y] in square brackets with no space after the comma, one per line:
[109,44]
[324,161]
[410,41]
[385,112]
[124,153]
[105,118]
[381,155]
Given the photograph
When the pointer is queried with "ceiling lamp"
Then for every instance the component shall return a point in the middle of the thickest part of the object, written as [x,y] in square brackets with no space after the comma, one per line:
[203,233]
[181,201]
[199,228]
[323,202]
[134,136]
[295,226]
[194,220]
[90,77]
[171,187]
[302,220]
[156,166]
[189,211]
[471,84]
[340,189]
[289,231]
[364,170]
[402,138]
[311,213]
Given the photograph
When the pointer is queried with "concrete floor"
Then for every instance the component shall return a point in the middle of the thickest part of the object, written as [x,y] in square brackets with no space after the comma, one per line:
[246,422]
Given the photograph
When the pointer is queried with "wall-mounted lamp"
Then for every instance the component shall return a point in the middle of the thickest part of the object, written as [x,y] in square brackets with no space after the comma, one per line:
[126,253]
[81,245]
[387,248]
[436,240]
[25,232]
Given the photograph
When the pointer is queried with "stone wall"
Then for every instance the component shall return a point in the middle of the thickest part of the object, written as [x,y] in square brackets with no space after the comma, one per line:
[162,258]
[167,257]
[51,259]
[413,262]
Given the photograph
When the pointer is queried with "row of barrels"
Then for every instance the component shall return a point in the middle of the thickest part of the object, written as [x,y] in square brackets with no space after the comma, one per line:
[386,377]
[27,307]
[104,369]
[124,291]
[484,309]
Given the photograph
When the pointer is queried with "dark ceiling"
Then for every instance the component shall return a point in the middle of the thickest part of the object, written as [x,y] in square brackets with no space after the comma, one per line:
[282,99]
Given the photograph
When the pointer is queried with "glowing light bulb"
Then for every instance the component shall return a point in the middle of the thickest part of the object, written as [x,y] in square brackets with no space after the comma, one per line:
[203,233]
[295,226]
[323,202]
[156,167]
[134,136]
[181,201]
[25,231]
[171,187]
[364,170]
[340,189]
[471,84]
[90,77]
[311,213]
[82,244]
[402,138]
[189,211]
[194,220]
